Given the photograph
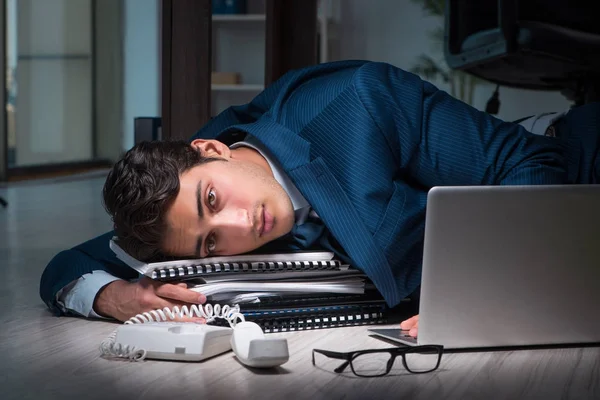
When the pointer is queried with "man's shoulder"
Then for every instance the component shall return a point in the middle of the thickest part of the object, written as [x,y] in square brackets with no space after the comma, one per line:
[322,69]
[374,73]
[325,78]
[360,69]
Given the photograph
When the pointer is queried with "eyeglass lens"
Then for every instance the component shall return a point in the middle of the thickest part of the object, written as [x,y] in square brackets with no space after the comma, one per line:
[371,364]
[423,360]
[375,364]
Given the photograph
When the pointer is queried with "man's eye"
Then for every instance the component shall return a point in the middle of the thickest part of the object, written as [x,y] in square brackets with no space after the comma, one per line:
[212,198]
[211,244]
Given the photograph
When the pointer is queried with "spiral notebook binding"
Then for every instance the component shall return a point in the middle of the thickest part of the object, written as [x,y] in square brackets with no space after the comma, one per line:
[316,317]
[249,267]
[323,321]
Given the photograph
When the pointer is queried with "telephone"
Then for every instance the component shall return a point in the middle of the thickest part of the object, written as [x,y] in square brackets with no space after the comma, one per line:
[156,335]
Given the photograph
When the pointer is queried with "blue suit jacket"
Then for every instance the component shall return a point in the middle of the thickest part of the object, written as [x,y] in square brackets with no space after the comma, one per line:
[364,142]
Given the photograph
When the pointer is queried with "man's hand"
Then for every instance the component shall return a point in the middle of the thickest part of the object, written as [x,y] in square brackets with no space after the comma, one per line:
[411,325]
[122,300]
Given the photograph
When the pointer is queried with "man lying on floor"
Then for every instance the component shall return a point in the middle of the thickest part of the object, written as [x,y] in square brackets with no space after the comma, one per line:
[338,156]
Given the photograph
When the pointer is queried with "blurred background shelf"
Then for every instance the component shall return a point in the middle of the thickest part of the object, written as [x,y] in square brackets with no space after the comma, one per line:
[239,17]
[238,48]
[237,88]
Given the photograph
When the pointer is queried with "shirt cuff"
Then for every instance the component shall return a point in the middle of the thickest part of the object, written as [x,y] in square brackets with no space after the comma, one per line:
[79,297]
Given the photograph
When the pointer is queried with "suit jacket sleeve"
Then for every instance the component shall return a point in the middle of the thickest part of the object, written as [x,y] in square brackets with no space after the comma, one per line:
[439,140]
[69,265]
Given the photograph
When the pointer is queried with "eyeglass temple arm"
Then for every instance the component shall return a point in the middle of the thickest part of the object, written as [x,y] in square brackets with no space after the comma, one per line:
[342,367]
[334,354]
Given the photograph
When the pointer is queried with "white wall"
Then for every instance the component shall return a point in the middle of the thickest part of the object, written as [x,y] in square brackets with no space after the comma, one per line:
[141,80]
[396,31]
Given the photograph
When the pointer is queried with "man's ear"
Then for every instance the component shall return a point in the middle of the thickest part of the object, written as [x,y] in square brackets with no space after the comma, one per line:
[212,148]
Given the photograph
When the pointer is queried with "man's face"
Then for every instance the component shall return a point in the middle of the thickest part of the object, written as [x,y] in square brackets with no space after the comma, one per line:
[225,208]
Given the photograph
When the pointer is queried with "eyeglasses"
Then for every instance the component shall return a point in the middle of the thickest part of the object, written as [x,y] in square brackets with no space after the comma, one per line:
[379,362]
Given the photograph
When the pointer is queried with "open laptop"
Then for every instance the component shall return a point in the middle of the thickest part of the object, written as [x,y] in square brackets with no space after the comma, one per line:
[509,266]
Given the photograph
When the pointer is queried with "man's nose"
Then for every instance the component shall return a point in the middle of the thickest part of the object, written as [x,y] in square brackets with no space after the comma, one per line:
[237,220]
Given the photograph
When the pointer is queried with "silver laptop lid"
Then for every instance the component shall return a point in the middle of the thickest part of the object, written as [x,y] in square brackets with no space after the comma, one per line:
[511,266]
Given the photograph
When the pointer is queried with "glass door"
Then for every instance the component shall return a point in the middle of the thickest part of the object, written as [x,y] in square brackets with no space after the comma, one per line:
[49,76]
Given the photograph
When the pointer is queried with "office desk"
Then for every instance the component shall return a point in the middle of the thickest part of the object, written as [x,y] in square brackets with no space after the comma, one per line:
[45,357]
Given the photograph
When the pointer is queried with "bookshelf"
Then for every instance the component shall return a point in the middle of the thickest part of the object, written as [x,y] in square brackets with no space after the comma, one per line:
[193,47]
[239,47]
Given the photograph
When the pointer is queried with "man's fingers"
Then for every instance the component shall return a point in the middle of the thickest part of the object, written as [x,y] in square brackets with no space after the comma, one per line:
[183,285]
[410,323]
[179,293]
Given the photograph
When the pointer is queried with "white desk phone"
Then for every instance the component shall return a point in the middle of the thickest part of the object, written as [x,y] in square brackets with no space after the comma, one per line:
[156,335]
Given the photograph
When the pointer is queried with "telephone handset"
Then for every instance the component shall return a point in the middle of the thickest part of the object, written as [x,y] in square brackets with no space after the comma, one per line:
[155,335]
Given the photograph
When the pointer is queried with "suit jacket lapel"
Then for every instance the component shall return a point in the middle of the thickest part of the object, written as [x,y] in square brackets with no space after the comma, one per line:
[325,195]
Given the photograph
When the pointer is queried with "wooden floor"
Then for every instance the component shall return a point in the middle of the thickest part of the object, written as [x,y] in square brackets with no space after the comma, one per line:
[45,357]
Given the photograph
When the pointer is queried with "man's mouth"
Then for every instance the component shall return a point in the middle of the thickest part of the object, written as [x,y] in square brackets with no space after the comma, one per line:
[266,222]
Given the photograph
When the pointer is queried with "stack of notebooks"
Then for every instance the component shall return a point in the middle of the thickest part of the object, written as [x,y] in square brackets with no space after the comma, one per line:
[280,292]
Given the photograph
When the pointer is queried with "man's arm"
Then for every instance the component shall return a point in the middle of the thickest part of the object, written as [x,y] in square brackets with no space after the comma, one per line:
[119,299]
[439,140]
[70,265]
[79,296]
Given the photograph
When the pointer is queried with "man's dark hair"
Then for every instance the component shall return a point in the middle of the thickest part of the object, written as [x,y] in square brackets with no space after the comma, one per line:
[140,188]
